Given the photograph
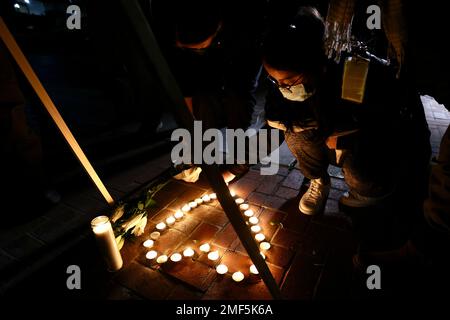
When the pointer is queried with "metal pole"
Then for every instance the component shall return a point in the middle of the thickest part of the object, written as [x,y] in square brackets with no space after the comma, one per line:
[184,118]
[32,78]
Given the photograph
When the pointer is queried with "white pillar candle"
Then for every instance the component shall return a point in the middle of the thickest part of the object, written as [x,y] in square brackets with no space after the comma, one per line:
[221,269]
[186,208]
[205,247]
[253,269]
[213,196]
[151,255]
[188,252]
[238,276]
[249,213]
[232,193]
[199,201]
[253,220]
[176,257]
[206,198]
[193,204]
[162,259]
[260,237]
[264,246]
[255,229]
[239,201]
[244,206]
[213,256]
[155,235]
[170,220]
[148,243]
[106,241]
[161,226]
[179,215]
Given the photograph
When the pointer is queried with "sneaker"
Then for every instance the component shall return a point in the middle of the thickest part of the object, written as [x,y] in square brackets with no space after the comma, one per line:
[314,199]
[355,200]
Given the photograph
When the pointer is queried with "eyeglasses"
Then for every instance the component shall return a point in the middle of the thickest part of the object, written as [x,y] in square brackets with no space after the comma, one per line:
[283,86]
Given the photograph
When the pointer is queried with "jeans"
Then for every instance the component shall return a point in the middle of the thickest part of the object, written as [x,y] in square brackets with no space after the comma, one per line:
[365,167]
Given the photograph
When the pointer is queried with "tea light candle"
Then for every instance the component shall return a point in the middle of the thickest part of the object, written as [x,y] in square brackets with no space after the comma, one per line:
[199,201]
[106,241]
[155,235]
[260,237]
[193,204]
[244,206]
[249,213]
[162,259]
[161,226]
[186,208]
[232,193]
[213,256]
[179,215]
[170,220]
[206,198]
[262,255]
[176,257]
[253,220]
[188,252]
[264,246]
[255,229]
[148,243]
[239,201]
[222,269]
[151,255]
[238,276]
[213,196]
[253,269]
[205,247]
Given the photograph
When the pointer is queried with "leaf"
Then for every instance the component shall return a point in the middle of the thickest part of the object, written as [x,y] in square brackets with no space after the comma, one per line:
[140,205]
[150,203]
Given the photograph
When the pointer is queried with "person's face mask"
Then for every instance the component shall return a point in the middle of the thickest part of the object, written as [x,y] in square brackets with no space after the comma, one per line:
[296,93]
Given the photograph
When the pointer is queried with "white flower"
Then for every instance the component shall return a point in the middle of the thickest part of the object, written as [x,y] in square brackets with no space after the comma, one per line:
[127,225]
[140,227]
[120,241]
[118,213]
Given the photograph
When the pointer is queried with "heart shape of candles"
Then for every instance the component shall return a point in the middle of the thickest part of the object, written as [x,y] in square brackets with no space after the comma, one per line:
[162,259]
[244,206]
[176,257]
[170,220]
[253,269]
[213,196]
[239,201]
[148,243]
[199,201]
[213,255]
[221,269]
[255,229]
[260,237]
[188,252]
[253,220]
[155,235]
[151,255]
[186,208]
[264,246]
[205,247]
[206,198]
[193,204]
[238,276]
[179,215]
[249,213]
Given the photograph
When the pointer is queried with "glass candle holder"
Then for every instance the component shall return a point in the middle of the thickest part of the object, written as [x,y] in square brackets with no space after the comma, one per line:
[106,241]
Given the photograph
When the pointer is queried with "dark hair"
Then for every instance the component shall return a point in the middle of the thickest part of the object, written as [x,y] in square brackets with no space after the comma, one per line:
[196,20]
[296,44]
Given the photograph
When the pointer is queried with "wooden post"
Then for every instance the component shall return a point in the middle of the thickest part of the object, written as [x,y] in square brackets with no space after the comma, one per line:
[185,119]
[32,78]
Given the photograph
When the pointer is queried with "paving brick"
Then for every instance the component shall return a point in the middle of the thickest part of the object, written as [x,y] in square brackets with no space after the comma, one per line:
[49,231]
[226,237]
[274,202]
[245,186]
[287,193]
[146,282]
[339,184]
[286,238]
[204,233]
[254,175]
[236,262]
[188,195]
[256,198]
[87,205]
[210,215]
[192,272]
[270,221]
[270,184]
[22,246]
[293,180]
[279,256]
[301,278]
[121,293]
[295,220]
